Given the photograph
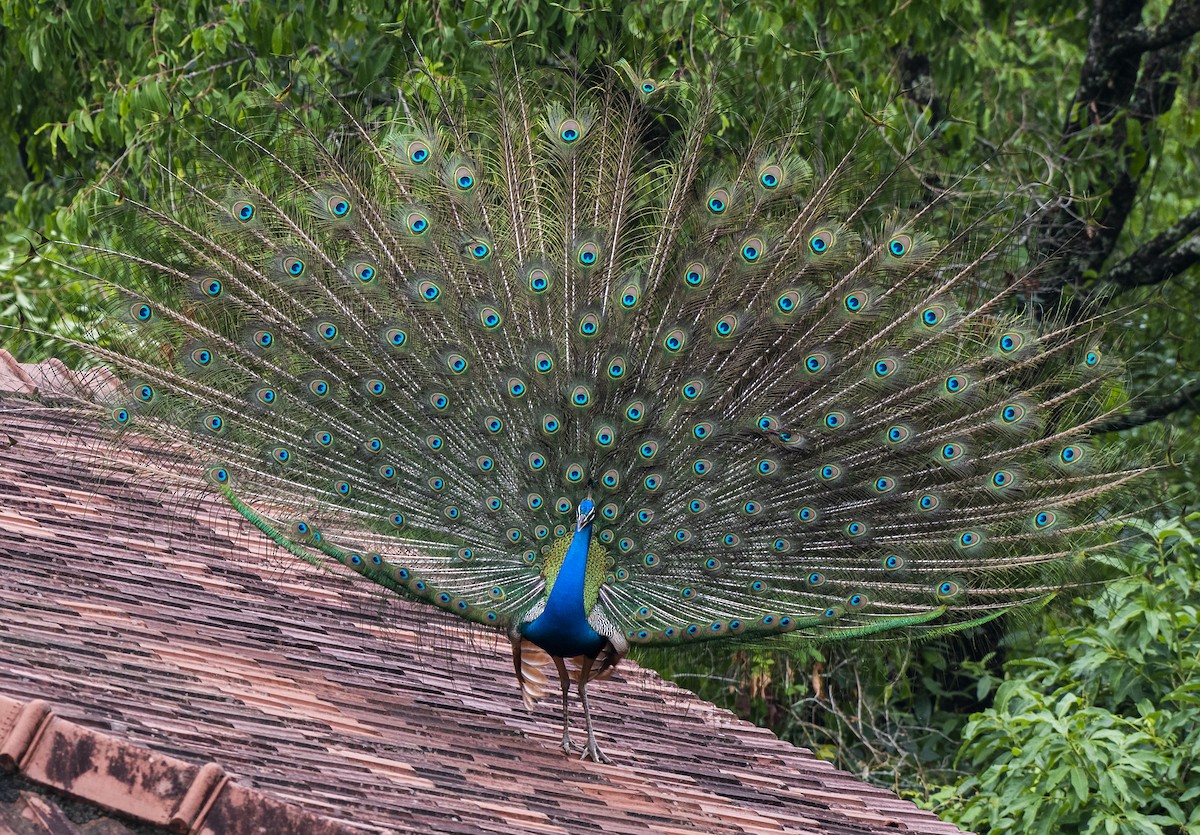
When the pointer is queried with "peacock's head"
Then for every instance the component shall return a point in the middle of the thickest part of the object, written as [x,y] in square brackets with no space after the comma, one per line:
[587,512]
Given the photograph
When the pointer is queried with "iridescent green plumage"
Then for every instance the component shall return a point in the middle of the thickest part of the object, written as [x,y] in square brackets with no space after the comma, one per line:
[414,348]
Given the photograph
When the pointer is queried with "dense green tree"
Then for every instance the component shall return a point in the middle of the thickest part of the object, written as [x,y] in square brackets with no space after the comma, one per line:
[1082,120]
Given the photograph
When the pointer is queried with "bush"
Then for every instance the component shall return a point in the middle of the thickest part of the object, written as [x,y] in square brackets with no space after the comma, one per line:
[1100,731]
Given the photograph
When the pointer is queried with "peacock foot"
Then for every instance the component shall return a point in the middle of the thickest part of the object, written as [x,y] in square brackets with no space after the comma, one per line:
[568,746]
[592,751]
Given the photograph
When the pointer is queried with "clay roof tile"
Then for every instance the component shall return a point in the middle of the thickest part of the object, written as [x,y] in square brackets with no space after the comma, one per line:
[158,660]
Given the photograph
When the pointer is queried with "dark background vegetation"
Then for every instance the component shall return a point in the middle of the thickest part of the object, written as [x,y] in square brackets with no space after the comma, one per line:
[1084,717]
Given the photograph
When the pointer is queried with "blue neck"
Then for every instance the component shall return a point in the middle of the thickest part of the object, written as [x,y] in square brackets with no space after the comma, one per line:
[562,628]
[567,594]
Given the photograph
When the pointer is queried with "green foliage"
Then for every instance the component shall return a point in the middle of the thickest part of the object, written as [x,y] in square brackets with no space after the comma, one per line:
[90,84]
[1100,731]
[889,712]
[1092,728]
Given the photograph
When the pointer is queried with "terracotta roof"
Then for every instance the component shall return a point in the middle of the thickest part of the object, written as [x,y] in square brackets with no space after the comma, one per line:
[27,808]
[162,662]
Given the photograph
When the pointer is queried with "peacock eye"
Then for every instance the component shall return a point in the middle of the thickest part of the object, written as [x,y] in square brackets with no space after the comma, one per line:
[899,246]
[418,152]
[490,318]
[588,254]
[718,201]
[770,176]
[243,211]
[855,302]
[788,301]
[695,274]
[820,241]
[675,340]
[464,178]
[417,223]
[570,130]
[1011,342]
[338,206]
[933,315]
[815,363]
[752,250]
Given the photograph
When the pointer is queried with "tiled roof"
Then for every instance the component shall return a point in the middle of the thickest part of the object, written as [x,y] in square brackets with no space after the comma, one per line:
[194,676]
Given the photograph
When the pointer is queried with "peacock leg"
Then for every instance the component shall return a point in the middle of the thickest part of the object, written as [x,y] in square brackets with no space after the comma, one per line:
[591,749]
[565,681]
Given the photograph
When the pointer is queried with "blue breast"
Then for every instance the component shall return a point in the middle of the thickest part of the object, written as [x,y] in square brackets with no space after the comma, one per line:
[562,628]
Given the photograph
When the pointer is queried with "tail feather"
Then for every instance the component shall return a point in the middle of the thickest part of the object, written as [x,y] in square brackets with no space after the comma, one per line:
[414,347]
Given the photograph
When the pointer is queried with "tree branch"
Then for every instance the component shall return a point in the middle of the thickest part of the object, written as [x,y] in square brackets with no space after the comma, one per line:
[1180,23]
[1167,254]
[1153,96]
[1118,85]
[1188,396]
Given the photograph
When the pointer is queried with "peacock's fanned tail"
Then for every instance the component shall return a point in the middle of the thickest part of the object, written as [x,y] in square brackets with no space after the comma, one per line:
[413,348]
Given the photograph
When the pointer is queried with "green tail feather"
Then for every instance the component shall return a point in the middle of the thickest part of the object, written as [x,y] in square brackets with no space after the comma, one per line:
[800,406]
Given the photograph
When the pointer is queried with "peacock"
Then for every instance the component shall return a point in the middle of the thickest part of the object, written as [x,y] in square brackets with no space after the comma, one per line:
[538,350]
